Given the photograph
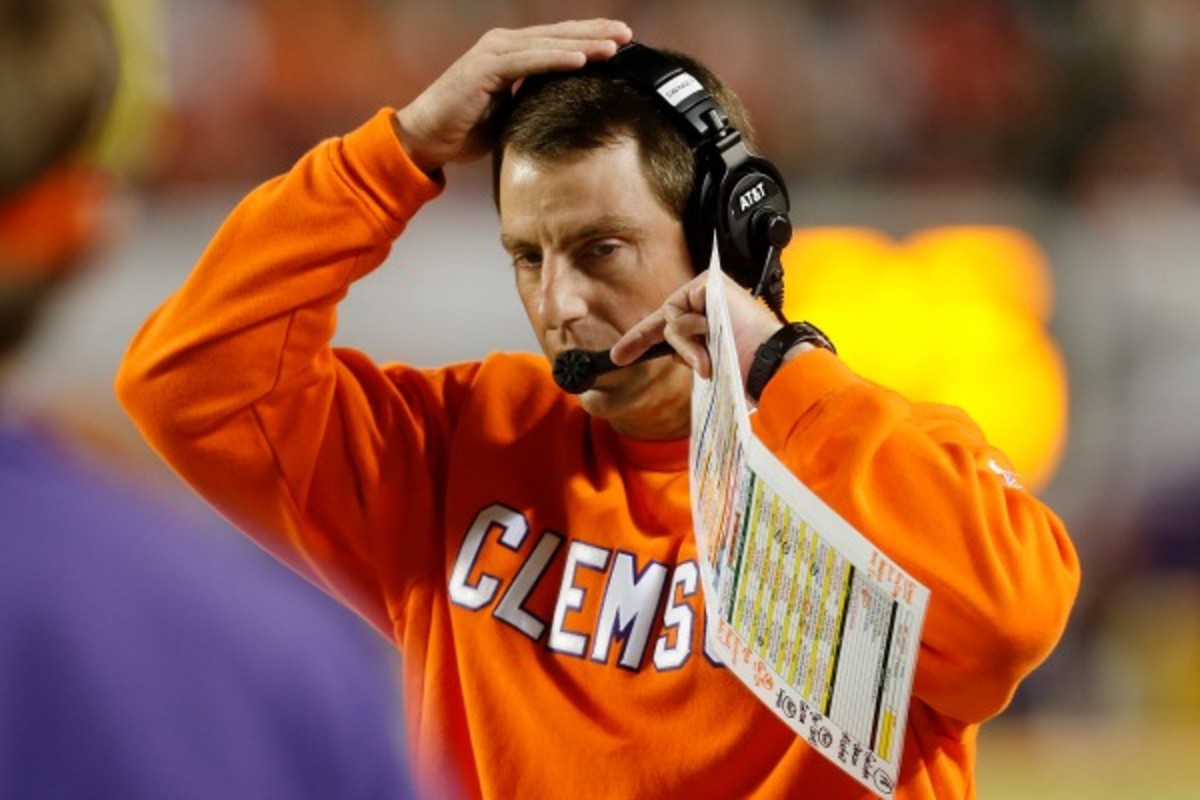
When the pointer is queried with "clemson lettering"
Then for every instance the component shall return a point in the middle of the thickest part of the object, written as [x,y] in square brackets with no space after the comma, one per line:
[479,594]
[630,601]
[603,596]
[570,597]
[677,619]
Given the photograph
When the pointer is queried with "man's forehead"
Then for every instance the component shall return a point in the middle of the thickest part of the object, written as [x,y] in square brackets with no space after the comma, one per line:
[567,227]
[602,187]
[521,165]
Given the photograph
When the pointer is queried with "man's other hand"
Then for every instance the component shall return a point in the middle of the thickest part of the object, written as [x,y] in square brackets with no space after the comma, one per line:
[447,122]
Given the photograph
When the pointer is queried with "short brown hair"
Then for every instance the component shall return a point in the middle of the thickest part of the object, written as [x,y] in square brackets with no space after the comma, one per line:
[556,117]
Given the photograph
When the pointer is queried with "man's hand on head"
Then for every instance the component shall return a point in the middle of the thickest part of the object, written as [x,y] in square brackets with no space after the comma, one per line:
[447,122]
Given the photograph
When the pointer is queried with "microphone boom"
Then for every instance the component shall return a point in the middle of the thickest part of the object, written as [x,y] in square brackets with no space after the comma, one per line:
[575,371]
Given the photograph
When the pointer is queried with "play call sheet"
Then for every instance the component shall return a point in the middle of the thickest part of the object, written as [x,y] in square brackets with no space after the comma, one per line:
[812,617]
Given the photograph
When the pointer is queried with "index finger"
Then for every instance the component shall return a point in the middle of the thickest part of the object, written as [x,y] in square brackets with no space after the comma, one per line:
[638,339]
[598,28]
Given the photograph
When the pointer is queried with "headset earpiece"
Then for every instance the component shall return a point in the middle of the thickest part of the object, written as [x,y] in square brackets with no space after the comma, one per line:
[736,194]
[699,216]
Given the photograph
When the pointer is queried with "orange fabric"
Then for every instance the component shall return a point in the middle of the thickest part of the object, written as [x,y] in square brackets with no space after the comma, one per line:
[537,569]
[46,227]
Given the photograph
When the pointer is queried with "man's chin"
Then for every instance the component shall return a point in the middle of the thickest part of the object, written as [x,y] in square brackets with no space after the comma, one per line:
[633,394]
[603,399]
[614,392]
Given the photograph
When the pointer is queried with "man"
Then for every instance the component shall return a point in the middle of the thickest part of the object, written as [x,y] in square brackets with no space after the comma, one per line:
[531,553]
[142,656]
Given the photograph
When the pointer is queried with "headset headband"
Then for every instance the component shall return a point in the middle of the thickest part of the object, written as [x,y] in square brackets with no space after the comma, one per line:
[700,117]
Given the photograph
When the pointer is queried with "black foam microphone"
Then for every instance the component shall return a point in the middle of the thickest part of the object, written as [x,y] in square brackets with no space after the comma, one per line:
[576,370]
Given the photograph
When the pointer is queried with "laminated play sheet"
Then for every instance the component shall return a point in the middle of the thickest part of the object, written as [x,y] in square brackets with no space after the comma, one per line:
[819,623]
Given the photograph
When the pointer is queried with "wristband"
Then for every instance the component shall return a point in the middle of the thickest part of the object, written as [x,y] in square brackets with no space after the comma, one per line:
[769,355]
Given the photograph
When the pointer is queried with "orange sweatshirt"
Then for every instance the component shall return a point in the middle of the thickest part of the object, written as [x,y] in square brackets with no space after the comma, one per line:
[537,569]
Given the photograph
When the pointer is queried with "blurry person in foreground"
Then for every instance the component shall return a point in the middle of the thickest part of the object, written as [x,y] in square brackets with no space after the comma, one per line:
[124,671]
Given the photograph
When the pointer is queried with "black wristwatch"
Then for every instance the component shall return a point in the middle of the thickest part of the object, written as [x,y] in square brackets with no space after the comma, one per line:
[769,355]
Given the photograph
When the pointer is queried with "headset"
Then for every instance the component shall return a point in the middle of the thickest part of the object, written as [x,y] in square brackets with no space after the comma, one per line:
[739,196]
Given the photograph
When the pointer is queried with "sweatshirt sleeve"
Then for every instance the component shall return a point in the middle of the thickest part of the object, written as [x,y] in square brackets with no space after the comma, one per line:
[923,485]
[234,383]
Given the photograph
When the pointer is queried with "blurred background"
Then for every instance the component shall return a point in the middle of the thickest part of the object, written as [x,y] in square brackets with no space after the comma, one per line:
[997,202]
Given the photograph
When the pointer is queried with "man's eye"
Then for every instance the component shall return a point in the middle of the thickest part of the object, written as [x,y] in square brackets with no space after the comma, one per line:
[602,249]
[527,260]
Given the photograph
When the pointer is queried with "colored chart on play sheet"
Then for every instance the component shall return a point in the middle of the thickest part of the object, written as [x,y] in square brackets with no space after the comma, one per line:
[810,615]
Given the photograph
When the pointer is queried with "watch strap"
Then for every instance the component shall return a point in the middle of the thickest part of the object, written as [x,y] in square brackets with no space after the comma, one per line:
[769,355]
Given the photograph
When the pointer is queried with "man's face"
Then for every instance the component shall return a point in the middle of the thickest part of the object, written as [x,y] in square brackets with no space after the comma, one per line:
[594,251]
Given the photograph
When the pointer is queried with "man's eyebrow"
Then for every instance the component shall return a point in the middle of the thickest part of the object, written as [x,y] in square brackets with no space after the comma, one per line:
[607,225]
[512,243]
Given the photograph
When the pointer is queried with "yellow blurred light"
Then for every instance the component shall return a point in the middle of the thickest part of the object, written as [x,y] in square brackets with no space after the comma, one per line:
[952,315]
[129,141]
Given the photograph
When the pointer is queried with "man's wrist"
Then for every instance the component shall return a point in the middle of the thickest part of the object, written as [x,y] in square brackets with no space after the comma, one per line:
[785,344]
[416,154]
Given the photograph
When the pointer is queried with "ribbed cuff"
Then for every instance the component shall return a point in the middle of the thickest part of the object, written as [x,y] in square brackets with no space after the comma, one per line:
[799,385]
[380,167]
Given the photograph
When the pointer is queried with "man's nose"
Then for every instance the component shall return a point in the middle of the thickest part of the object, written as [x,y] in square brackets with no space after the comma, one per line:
[563,292]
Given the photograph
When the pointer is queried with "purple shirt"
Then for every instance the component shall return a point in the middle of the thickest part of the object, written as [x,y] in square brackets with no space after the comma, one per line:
[145,657]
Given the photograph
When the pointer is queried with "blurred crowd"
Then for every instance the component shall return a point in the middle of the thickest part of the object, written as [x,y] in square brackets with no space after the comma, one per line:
[1068,96]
